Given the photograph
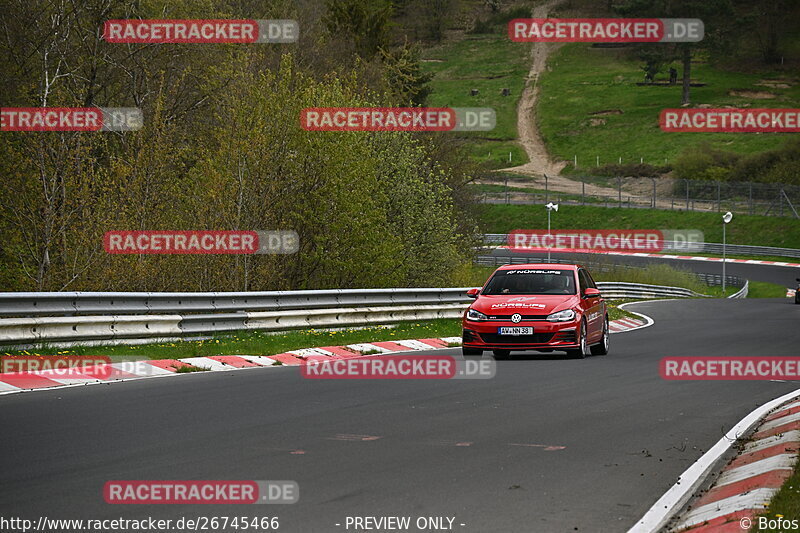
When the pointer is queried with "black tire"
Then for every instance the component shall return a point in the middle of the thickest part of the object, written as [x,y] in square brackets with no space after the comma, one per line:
[471,351]
[583,350]
[502,354]
[601,348]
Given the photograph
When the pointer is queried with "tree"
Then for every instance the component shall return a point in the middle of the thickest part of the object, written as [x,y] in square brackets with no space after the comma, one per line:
[366,22]
[404,76]
[713,13]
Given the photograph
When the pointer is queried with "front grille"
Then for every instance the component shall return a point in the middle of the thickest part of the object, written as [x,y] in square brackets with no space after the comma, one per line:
[536,338]
[507,318]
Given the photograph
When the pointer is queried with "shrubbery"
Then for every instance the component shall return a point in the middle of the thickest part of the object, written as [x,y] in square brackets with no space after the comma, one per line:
[703,162]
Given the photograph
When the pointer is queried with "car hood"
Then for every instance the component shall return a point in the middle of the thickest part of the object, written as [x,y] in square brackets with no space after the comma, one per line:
[537,304]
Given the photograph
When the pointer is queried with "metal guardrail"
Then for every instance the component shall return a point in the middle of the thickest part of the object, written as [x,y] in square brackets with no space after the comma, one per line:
[89,303]
[700,247]
[98,317]
[147,319]
[615,289]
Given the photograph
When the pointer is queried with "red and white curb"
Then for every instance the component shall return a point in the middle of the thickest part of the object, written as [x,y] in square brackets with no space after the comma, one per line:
[673,256]
[117,372]
[625,324]
[745,486]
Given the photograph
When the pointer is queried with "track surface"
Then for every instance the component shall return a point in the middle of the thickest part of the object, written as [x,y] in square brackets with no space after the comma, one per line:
[626,434]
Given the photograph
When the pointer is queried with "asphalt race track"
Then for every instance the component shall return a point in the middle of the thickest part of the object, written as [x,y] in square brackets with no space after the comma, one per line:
[477,450]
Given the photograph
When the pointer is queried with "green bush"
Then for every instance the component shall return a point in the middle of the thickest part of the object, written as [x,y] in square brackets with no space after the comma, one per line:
[703,162]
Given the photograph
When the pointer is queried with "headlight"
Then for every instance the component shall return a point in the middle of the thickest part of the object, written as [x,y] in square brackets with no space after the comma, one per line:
[476,315]
[562,316]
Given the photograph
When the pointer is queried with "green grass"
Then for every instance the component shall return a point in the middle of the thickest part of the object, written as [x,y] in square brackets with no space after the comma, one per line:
[650,275]
[762,289]
[745,229]
[785,504]
[615,312]
[654,275]
[583,80]
[488,63]
[189,368]
[261,343]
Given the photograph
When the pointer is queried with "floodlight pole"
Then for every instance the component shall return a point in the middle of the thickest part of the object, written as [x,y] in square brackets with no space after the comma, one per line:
[549,238]
[726,218]
[724,239]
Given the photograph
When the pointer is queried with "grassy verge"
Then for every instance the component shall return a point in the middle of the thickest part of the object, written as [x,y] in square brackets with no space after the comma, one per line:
[261,343]
[785,505]
[591,106]
[745,229]
[762,289]
[650,275]
[654,275]
[615,312]
[488,63]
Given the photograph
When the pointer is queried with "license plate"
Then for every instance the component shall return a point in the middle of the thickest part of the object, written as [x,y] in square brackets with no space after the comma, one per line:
[515,331]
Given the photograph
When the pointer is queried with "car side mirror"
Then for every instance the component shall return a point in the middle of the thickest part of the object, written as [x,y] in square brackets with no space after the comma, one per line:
[591,293]
[473,293]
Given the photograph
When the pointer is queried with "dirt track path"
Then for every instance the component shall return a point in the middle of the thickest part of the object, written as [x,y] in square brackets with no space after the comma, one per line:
[539,161]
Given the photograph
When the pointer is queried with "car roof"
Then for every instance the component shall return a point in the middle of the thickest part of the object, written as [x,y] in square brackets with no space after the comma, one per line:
[560,266]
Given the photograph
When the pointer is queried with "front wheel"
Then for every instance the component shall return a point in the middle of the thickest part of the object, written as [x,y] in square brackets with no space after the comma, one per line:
[471,351]
[601,348]
[583,350]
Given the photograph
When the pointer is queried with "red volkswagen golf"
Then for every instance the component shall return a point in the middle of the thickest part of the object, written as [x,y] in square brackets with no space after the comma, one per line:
[541,307]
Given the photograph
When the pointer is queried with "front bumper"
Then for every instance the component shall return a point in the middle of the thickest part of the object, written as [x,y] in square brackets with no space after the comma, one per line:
[546,335]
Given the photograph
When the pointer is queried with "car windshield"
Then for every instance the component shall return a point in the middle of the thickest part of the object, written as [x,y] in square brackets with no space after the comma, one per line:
[531,281]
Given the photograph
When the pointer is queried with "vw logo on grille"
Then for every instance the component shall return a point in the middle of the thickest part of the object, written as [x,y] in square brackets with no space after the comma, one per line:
[516,318]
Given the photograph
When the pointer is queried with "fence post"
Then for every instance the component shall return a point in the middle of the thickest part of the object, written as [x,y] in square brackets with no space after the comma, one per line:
[750,198]
[546,190]
[506,190]
[687,194]
[654,192]
[583,191]
[619,190]
[719,201]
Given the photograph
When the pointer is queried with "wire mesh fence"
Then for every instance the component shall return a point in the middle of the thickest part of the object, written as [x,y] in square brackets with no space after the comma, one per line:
[752,198]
